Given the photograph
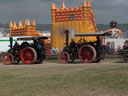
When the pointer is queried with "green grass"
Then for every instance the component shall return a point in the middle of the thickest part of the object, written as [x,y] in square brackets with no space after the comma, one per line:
[64,80]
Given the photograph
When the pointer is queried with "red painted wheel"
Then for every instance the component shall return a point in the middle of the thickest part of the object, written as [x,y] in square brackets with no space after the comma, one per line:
[7,58]
[87,54]
[16,60]
[63,57]
[28,55]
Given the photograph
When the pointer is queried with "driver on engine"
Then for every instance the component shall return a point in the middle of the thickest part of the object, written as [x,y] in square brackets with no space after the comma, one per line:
[115,33]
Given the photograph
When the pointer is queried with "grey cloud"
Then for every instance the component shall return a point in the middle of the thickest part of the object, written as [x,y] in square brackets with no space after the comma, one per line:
[105,10]
[110,3]
[10,1]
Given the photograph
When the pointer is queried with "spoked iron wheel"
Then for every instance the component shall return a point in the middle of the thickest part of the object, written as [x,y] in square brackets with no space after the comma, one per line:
[63,57]
[40,57]
[72,59]
[28,55]
[125,58]
[87,54]
[7,58]
[16,60]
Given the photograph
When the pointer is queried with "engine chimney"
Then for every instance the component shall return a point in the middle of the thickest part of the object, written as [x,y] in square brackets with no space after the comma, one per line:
[67,37]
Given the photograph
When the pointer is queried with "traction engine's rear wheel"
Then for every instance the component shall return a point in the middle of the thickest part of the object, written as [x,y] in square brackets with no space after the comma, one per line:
[28,55]
[7,58]
[63,57]
[87,54]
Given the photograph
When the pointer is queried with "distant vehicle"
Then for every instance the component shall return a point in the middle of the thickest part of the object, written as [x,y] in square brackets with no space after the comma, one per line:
[124,52]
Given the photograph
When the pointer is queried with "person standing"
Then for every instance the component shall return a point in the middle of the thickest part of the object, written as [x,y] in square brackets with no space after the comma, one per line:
[56,50]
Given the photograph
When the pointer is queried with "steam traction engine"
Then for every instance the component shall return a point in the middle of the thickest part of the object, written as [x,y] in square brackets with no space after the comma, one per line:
[32,50]
[87,52]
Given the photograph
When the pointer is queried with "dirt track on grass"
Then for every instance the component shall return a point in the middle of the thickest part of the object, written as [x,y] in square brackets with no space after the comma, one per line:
[55,63]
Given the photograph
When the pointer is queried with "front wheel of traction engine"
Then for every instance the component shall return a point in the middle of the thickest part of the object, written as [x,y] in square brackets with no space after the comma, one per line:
[63,57]
[87,54]
[125,58]
[28,55]
[72,58]
[7,58]
[16,60]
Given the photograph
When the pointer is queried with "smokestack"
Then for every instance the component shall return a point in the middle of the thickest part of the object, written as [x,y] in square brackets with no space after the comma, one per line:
[67,37]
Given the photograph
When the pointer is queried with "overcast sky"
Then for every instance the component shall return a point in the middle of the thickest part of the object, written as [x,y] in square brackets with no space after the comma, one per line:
[104,10]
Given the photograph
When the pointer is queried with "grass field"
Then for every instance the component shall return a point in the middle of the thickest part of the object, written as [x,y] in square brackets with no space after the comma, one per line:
[53,79]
